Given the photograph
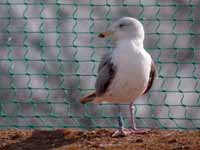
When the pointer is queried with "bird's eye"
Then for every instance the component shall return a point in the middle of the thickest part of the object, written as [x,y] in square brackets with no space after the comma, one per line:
[121,25]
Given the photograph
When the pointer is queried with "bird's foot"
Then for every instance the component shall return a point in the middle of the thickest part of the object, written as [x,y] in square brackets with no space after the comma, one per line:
[139,131]
[121,132]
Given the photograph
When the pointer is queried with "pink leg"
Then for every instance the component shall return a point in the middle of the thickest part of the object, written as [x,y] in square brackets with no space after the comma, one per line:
[133,124]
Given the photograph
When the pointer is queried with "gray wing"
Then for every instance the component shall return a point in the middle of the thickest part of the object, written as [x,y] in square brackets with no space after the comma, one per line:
[106,73]
[152,76]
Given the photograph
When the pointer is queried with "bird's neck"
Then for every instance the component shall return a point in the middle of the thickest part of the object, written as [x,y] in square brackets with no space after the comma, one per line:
[134,42]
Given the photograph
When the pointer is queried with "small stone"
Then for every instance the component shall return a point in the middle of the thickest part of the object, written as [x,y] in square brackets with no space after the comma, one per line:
[139,140]
[172,141]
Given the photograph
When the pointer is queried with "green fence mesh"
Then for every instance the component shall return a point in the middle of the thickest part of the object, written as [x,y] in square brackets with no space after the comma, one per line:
[49,54]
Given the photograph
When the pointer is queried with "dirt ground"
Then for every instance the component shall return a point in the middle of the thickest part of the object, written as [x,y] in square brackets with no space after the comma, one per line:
[70,139]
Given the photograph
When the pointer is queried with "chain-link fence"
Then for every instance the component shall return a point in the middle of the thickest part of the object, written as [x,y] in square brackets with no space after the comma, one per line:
[49,54]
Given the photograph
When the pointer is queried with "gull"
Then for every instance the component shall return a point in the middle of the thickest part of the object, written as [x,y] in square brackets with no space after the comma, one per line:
[125,73]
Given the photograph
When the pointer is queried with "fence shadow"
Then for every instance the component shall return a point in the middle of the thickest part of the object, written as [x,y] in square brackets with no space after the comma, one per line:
[43,140]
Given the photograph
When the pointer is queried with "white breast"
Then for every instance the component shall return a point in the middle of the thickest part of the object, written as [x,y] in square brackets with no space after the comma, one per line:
[133,69]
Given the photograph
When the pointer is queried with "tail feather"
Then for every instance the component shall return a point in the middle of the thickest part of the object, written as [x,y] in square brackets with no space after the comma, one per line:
[88,98]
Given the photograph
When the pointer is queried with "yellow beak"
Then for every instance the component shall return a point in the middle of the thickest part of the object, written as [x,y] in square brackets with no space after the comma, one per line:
[105,34]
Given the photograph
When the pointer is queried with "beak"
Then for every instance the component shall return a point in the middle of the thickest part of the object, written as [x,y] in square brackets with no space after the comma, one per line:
[105,34]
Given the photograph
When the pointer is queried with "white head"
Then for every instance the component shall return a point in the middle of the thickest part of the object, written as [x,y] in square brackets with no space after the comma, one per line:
[125,28]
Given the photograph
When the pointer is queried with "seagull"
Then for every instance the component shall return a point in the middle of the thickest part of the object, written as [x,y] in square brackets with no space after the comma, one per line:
[125,73]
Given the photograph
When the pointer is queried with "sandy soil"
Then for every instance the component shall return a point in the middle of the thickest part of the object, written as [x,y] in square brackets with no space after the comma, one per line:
[69,139]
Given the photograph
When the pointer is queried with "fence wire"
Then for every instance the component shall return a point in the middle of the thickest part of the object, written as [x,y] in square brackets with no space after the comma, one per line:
[49,54]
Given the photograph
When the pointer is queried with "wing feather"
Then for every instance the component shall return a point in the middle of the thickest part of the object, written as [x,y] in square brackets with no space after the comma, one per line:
[152,76]
[106,73]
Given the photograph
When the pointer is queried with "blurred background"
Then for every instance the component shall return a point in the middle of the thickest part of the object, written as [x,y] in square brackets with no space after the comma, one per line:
[49,55]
